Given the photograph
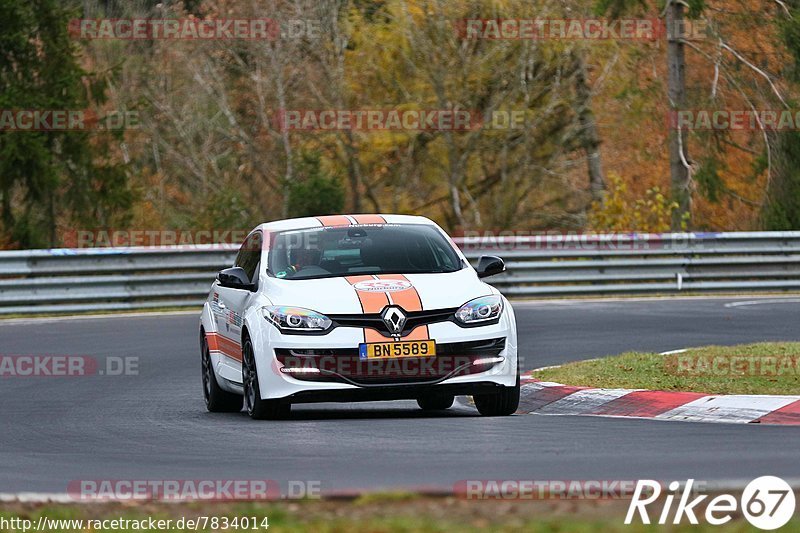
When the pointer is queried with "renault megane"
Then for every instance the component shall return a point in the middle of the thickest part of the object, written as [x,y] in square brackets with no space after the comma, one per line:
[351,308]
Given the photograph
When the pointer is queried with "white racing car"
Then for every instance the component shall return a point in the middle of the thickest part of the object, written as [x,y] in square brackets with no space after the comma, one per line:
[356,307]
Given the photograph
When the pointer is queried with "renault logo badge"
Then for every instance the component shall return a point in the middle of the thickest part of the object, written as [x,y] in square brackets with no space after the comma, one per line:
[395,319]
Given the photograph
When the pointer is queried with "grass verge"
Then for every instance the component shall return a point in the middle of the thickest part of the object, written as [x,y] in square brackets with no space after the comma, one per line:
[761,368]
[375,515]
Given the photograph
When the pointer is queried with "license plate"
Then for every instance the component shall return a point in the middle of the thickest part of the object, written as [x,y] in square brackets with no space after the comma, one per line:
[388,350]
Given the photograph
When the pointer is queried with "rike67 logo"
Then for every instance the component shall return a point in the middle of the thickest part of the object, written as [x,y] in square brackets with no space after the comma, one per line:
[767,502]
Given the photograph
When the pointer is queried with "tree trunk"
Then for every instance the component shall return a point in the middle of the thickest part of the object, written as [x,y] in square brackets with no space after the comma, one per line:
[8,216]
[353,172]
[590,140]
[454,181]
[676,89]
[280,90]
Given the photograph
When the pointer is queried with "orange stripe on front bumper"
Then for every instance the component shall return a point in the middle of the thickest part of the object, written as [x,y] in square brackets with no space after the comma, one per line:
[370,335]
[420,333]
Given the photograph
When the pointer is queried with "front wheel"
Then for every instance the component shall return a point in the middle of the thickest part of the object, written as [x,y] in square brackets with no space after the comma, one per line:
[257,408]
[501,403]
[217,400]
[436,402]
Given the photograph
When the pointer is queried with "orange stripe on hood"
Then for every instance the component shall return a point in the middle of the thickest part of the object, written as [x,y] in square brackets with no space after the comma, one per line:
[409,300]
[374,302]
[371,302]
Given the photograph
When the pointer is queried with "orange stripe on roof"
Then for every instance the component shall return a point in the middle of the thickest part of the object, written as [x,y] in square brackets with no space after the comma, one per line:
[334,220]
[369,219]
[355,279]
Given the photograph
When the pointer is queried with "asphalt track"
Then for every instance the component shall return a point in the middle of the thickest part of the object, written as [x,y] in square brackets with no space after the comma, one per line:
[154,425]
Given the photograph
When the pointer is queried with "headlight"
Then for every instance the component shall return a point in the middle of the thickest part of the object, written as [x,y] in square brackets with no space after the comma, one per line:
[295,318]
[481,309]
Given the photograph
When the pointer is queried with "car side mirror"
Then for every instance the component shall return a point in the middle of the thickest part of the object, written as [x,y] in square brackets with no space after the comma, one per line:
[489,265]
[234,278]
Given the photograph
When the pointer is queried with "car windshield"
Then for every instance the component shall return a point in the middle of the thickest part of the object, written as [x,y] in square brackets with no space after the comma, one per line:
[349,250]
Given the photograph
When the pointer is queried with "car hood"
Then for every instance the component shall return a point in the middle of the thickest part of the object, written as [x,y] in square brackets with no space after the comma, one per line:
[345,295]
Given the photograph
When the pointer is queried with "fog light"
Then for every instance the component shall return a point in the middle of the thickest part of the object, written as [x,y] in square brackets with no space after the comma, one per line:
[488,360]
[300,370]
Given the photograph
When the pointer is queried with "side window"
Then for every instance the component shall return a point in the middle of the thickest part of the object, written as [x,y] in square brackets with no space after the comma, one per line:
[250,255]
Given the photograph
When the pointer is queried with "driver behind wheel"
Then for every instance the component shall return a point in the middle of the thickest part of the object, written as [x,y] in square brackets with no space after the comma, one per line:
[303,257]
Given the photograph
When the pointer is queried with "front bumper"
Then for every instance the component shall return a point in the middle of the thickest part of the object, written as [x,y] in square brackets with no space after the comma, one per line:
[345,365]
[395,392]
[343,377]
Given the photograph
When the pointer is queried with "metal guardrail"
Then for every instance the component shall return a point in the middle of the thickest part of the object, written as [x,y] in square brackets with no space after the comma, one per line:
[108,279]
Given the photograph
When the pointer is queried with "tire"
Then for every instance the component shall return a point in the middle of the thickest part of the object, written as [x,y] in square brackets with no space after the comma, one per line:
[217,399]
[502,403]
[435,402]
[257,408]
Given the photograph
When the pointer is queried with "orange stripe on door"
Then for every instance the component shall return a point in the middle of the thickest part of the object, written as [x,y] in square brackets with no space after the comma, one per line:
[211,339]
[369,219]
[334,220]
[231,348]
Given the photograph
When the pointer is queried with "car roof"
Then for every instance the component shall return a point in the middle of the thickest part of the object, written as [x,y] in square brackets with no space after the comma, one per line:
[343,220]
